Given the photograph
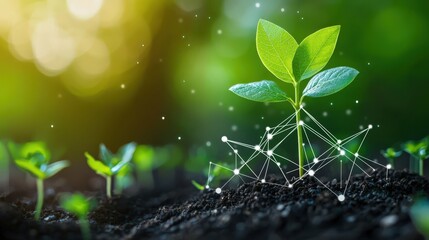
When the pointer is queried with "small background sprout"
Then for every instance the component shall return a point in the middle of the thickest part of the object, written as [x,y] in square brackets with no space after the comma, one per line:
[390,154]
[78,205]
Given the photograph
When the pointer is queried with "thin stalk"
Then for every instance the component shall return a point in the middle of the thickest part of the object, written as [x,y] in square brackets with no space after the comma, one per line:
[421,167]
[299,129]
[39,199]
[84,228]
[109,186]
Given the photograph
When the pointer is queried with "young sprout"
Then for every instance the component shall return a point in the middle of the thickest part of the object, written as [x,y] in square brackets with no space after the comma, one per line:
[197,185]
[413,148]
[390,154]
[33,158]
[293,63]
[123,179]
[111,164]
[419,213]
[78,205]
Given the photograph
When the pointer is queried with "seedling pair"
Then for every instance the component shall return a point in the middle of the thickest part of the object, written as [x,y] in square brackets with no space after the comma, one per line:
[33,157]
[294,63]
[110,164]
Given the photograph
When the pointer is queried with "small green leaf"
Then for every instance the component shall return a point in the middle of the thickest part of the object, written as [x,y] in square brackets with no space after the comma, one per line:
[98,166]
[276,48]
[125,154]
[314,52]
[55,167]
[263,91]
[105,155]
[77,204]
[144,157]
[29,167]
[197,185]
[330,81]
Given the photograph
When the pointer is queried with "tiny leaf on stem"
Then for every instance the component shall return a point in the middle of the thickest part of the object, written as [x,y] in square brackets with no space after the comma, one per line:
[262,91]
[314,52]
[98,166]
[330,81]
[276,48]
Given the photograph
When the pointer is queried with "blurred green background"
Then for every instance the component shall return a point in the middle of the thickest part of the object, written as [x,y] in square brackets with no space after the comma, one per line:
[78,73]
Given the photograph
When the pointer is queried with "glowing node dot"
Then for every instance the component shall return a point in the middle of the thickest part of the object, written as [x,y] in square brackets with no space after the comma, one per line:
[388,166]
[282,9]
[263,181]
[342,153]
[52,125]
[357,101]
[290,185]
[270,153]
[315,160]
[269,136]
[339,141]
[235,151]
[301,123]
[257,5]
[267,129]
[179,138]
[278,164]
[311,173]
[207,187]
[341,197]
[219,31]
[257,147]
[356,154]
[123,86]
[224,139]
[163,118]
[370,126]
[236,171]
[218,190]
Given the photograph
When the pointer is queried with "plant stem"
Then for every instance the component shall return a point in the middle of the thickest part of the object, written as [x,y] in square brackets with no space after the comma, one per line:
[109,186]
[39,199]
[299,129]
[421,167]
[84,228]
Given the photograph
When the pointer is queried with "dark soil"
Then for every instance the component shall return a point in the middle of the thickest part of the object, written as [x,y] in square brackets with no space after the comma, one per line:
[375,208]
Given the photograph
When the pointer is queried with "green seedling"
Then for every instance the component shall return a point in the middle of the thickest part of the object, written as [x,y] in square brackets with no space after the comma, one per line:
[390,154]
[110,163]
[413,149]
[34,158]
[197,185]
[293,63]
[124,179]
[423,155]
[419,213]
[78,205]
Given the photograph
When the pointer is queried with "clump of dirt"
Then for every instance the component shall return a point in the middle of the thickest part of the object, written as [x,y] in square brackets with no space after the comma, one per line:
[374,208]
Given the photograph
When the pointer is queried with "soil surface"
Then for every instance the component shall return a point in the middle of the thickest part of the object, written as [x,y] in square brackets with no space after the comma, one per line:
[375,208]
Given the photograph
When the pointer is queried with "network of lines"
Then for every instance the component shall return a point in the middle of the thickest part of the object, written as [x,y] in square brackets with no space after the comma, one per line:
[260,160]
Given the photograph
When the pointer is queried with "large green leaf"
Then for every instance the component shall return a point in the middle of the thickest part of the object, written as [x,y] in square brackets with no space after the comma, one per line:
[55,167]
[29,167]
[276,48]
[98,166]
[263,91]
[314,52]
[330,81]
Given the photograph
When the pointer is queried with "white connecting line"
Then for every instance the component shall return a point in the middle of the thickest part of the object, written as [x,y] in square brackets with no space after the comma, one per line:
[265,159]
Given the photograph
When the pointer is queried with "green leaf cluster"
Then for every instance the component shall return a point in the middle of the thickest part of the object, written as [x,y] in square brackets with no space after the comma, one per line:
[110,164]
[292,63]
[34,157]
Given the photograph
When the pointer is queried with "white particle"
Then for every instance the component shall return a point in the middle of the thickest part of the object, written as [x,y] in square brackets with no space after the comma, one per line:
[224,139]
[278,164]
[388,166]
[236,171]
[192,91]
[257,5]
[257,147]
[370,126]
[218,190]
[332,104]
[208,143]
[297,11]
[356,154]
[52,125]
[341,198]
[339,141]
[263,181]
[163,118]
[360,127]
[183,36]
[301,122]
[123,86]
[357,101]
[138,62]
[325,114]
[290,185]
[219,31]
[230,108]
[269,152]
[342,153]
[302,18]
[189,44]
[282,9]
[311,173]
[142,45]
[269,136]
[348,112]
[234,128]
[369,63]
[179,138]
[315,160]
[196,15]
[207,187]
